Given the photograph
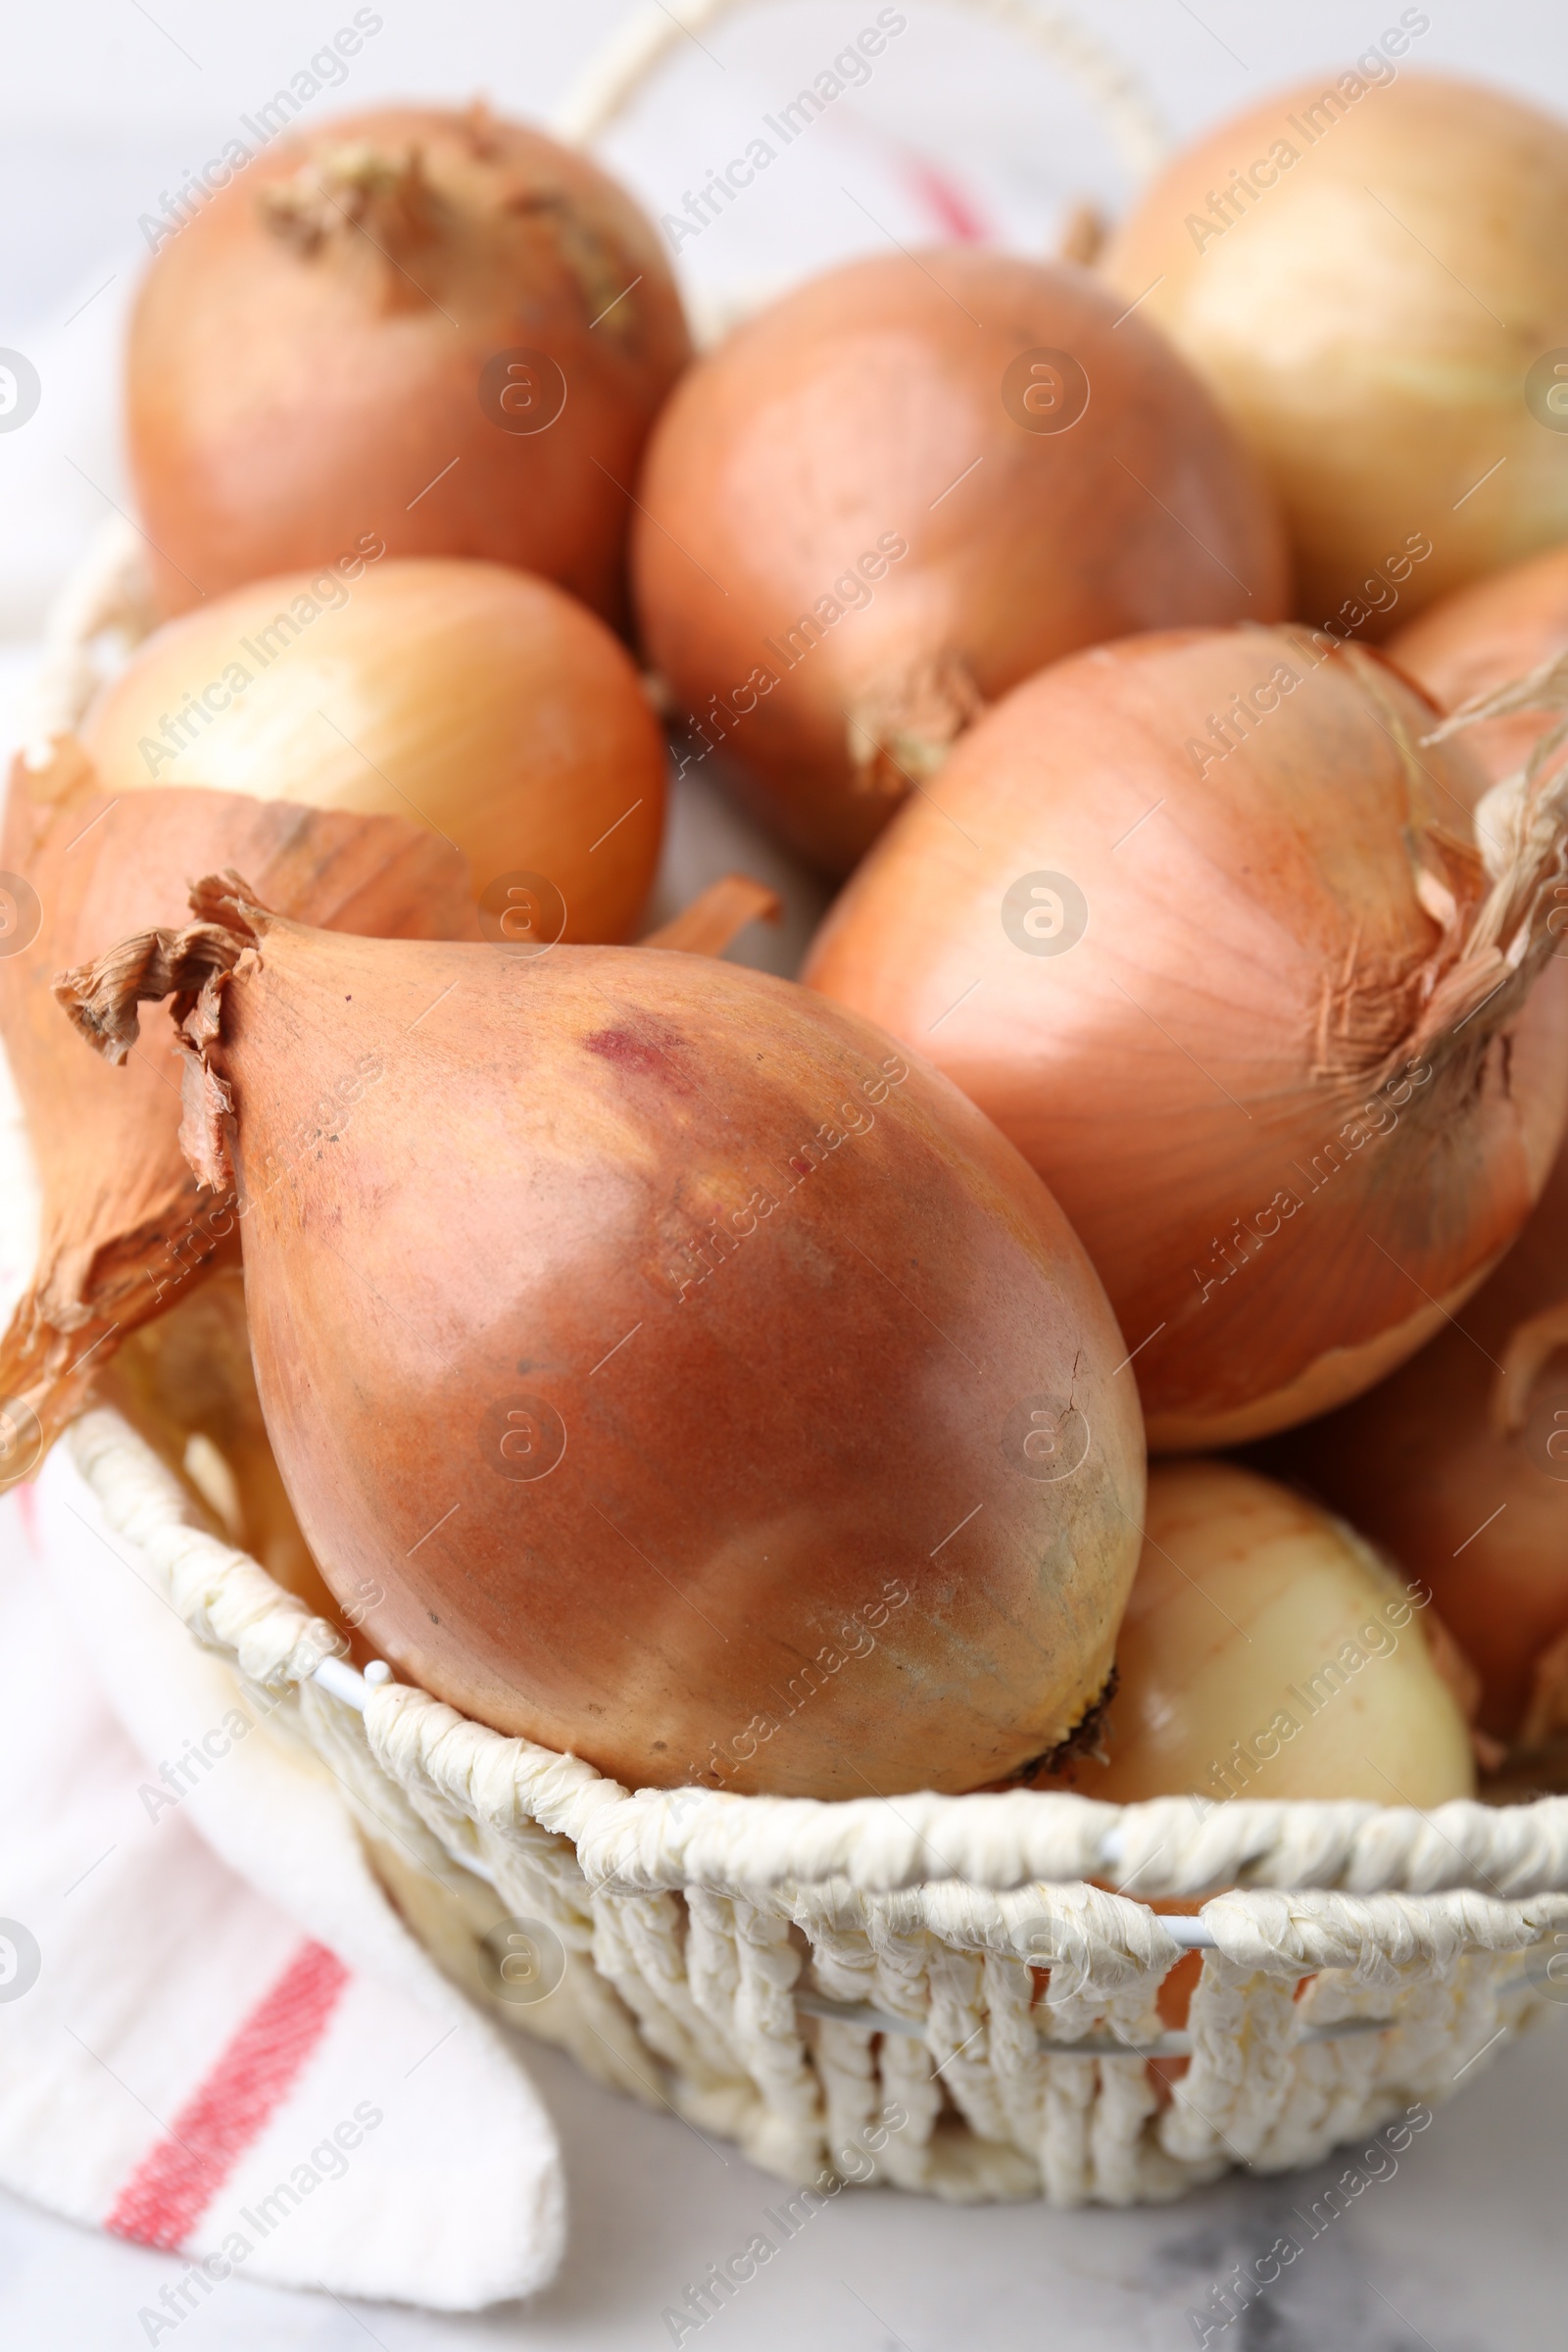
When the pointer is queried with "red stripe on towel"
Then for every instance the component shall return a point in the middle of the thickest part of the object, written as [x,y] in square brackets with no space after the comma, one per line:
[962,219]
[173,2184]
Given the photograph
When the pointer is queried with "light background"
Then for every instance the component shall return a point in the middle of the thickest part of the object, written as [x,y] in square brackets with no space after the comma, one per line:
[103,106]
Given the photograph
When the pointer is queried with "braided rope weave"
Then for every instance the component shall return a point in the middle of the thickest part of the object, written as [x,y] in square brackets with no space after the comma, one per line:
[788,1972]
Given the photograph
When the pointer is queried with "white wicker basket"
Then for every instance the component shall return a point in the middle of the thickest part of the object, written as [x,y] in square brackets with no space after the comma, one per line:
[793,1973]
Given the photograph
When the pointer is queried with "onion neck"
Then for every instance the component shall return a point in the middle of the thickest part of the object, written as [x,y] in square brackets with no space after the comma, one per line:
[100,999]
[192,966]
[1490,896]
[1522,828]
[902,729]
[358,199]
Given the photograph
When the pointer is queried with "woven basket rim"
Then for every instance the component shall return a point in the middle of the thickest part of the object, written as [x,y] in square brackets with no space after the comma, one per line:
[646,1839]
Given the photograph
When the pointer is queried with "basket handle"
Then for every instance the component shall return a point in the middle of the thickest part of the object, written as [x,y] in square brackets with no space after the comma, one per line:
[1123,99]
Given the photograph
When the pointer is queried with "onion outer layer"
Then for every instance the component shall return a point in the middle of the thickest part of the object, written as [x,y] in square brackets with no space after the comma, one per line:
[675,1370]
[1293,1064]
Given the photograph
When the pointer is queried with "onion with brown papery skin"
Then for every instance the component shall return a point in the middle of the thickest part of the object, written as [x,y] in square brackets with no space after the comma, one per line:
[1370,315]
[123,1230]
[712,1391]
[869,465]
[476,699]
[1458,1465]
[1267,1652]
[1201,1004]
[1486,637]
[323,350]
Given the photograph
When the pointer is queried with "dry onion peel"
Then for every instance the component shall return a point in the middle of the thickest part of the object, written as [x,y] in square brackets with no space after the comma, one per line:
[122,1225]
[1292,1063]
[704,1386]
[1524,815]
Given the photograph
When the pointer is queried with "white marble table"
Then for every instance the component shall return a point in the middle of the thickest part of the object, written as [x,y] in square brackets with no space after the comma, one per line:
[1460,2250]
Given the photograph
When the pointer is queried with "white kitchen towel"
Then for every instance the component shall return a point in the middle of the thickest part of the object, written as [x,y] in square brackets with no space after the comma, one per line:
[216,2035]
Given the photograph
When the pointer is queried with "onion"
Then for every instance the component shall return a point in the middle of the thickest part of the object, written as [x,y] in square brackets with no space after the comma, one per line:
[1267,1652]
[1485,638]
[853,1509]
[1251,1604]
[1459,1466]
[900,490]
[437,328]
[1371,277]
[1294,1069]
[470,697]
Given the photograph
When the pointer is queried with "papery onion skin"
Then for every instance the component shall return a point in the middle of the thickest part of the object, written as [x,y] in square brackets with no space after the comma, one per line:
[1268,1654]
[852,447]
[565,1223]
[1369,319]
[123,1230]
[286,396]
[478,699]
[1489,635]
[1250,982]
[1431,1467]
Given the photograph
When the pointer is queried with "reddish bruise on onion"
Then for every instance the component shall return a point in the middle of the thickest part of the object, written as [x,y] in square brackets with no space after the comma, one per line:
[1294,1066]
[905,486]
[708,1388]
[439,327]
